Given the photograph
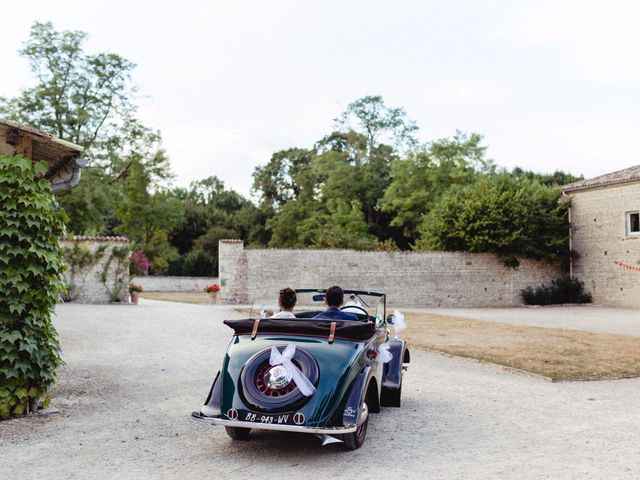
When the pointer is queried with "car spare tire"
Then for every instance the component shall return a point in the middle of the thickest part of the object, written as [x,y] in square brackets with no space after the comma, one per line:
[264,392]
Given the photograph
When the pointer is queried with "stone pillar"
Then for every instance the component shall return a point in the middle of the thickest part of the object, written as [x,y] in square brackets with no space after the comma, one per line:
[233,272]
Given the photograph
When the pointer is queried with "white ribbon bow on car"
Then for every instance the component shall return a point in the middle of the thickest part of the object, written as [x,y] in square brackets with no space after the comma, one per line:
[384,355]
[284,359]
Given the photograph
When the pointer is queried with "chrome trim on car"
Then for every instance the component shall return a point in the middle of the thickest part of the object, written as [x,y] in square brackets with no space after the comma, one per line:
[271,426]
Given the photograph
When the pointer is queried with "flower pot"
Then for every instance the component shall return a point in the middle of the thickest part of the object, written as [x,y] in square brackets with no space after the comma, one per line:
[214,298]
[135,296]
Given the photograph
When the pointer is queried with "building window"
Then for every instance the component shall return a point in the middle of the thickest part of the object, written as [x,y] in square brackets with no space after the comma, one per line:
[633,223]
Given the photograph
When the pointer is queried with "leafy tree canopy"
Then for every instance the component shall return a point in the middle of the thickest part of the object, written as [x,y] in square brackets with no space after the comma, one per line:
[418,181]
[88,99]
[499,214]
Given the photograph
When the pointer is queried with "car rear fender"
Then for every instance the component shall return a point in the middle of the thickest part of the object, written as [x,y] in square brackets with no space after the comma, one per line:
[211,407]
[362,389]
[392,374]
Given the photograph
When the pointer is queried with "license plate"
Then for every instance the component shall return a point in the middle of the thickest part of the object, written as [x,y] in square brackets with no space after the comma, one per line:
[291,418]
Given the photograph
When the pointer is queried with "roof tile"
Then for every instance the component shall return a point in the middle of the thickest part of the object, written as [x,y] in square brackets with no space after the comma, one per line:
[631,174]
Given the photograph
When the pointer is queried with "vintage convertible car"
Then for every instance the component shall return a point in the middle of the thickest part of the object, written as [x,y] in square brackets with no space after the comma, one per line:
[309,375]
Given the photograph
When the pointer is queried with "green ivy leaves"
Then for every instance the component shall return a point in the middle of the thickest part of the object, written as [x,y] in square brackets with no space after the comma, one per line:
[30,282]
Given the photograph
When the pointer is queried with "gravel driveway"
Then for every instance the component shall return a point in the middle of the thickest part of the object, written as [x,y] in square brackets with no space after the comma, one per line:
[134,374]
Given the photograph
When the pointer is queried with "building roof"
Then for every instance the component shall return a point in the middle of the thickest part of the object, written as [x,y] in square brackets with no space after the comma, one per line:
[631,174]
[62,156]
[85,238]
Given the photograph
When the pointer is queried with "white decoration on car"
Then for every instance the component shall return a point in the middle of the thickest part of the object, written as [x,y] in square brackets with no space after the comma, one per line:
[284,359]
[398,321]
[384,355]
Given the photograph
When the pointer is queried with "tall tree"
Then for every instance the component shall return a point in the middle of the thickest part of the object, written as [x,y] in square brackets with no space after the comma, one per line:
[378,122]
[87,99]
[146,219]
[419,180]
[335,188]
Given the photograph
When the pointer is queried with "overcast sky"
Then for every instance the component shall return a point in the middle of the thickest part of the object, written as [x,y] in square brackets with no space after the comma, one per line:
[550,84]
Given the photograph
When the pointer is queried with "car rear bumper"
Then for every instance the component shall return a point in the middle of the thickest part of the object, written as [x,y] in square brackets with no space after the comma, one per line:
[270,426]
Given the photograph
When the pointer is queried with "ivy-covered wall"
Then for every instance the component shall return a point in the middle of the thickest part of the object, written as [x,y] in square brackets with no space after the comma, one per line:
[31,222]
[97,269]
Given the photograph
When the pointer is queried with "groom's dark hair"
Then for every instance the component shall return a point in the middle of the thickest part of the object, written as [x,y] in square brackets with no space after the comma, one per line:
[334,296]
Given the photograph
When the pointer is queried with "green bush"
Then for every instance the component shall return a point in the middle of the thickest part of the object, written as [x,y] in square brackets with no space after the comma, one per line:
[561,290]
[31,268]
[503,215]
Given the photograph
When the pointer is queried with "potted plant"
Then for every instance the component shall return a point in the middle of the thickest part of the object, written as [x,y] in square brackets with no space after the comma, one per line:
[214,293]
[134,291]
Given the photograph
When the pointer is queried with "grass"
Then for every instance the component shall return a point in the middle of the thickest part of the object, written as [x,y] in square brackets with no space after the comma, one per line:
[552,352]
[200,298]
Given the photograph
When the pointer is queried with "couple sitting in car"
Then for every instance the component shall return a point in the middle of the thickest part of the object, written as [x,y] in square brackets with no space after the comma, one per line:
[333,299]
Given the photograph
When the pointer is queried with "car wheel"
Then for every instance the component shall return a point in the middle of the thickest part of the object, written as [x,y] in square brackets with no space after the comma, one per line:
[354,440]
[238,433]
[258,394]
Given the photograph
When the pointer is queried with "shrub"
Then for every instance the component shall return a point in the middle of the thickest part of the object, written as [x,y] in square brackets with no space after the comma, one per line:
[139,263]
[30,283]
[561,290]
[503,215]
[200,263]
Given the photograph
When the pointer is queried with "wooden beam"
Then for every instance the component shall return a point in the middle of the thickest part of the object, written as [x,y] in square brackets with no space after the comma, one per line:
[13,142]
[24,146]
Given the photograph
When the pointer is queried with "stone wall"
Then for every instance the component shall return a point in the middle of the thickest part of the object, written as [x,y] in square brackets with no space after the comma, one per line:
[97,269]
[154,283]
[410,279]
[609,259]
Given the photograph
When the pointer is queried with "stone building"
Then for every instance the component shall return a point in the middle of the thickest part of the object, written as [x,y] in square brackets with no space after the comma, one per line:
[605,233]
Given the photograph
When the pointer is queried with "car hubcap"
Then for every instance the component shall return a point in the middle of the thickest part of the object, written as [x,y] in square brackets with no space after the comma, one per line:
[278,377]
[274,381]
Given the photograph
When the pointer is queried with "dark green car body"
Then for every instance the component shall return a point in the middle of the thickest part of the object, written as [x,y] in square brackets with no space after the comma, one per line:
[350,380]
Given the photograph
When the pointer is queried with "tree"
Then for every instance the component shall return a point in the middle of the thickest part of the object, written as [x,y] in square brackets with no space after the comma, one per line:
[211,211]
[285,187]
[88,100]
[314,197]
[202,260]
[146,219]
[419,180]
[371,116]
[284,177]
[557,178]
[77,95]
[502,215]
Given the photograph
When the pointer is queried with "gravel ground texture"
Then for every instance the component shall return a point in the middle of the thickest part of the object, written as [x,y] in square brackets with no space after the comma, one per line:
[134,374]
[590,318]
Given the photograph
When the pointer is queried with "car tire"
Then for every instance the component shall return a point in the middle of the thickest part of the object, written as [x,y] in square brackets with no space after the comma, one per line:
[292,399]
[354,440]
[238,433]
